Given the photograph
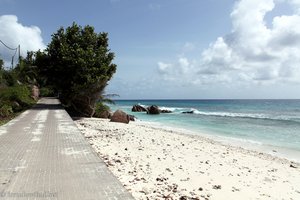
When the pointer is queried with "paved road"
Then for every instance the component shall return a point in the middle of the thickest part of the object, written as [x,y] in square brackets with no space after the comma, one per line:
[44,156]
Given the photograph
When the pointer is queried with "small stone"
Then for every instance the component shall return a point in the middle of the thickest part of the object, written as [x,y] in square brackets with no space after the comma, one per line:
[200,189]
[183,198]
[125,149]
[145,191]
[159,179]
[217,187]
[292,166]
[168,169]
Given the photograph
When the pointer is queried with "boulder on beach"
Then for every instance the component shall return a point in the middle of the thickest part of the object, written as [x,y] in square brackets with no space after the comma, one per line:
[105,114]
[120,116]
[138,108]
[131,117]
[153,110]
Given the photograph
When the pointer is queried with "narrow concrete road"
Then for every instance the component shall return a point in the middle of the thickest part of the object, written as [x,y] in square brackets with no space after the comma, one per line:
[43,155]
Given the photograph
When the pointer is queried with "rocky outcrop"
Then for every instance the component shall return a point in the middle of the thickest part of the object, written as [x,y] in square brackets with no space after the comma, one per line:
[138,108]
[166,111]
[188,112]
[35,92]
[131,117]
[120,116]
[105,114]
[153,110]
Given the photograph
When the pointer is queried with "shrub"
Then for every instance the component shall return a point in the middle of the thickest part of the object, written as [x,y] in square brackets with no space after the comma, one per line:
[17,94]
[47,92]
[101,111]
[5,111]
[10,78]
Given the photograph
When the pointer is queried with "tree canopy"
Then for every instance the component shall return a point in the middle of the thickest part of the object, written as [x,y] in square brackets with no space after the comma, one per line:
[1,64]
[78,64]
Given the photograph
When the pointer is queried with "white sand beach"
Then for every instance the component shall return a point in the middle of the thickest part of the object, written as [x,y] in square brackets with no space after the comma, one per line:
[153,163]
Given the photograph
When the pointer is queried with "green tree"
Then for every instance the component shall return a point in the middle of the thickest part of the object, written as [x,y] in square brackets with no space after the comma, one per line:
[1,64]
[78,64]
[26,70]
[1,71]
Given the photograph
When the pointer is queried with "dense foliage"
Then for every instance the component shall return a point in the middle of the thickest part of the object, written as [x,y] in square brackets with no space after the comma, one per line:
[15,90]
[77,64]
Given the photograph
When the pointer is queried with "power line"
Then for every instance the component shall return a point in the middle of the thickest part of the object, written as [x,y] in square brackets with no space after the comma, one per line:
[8,46]
[12,49]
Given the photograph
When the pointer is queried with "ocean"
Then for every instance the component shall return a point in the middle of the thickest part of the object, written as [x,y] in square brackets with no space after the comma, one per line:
[270,124]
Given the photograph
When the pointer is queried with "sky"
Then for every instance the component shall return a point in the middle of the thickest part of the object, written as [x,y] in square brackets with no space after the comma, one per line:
[176,49]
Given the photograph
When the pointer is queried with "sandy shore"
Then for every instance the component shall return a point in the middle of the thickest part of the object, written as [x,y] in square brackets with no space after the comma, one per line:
[154,163]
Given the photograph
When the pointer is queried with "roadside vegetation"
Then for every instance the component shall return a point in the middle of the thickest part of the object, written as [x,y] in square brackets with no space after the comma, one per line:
[76,67]
[15,90]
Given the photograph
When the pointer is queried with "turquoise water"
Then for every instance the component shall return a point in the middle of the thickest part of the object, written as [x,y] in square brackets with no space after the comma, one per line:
[267,122]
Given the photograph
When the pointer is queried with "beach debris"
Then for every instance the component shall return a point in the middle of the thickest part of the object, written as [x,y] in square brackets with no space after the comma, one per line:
[217,187]
[167,196]
[200,189]
[186,179]
[188,198]
[168,169]
[174,188]
[161,179]
[120,116]
[234,189]
[145,191]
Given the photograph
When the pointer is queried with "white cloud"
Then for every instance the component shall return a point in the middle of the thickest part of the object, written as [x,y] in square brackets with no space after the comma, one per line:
[188,46]
[13,33]
[252,52]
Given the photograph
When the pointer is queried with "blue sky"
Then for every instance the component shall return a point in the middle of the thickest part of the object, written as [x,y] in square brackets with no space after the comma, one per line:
[178,48]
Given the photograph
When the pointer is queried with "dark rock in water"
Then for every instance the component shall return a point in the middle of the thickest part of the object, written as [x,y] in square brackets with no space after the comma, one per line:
[188,112]
[131,117]
[120,116]
[138,108]
[153,110]
[166,111]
